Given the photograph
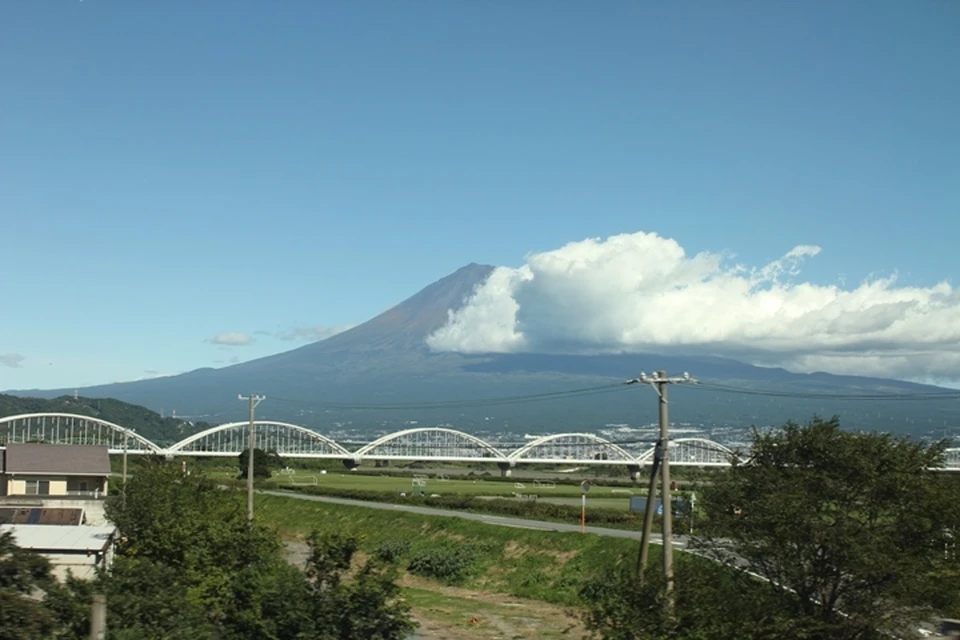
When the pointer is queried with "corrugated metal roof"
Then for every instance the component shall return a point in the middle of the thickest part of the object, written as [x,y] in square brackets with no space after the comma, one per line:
[57,459]
[39,537]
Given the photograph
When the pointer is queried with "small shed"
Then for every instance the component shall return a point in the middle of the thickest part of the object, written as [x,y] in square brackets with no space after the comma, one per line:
[79,550]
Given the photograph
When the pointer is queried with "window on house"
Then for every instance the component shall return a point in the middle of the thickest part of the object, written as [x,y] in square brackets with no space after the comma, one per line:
[37,487]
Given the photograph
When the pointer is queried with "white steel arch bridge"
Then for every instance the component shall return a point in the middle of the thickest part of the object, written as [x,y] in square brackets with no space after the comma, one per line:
[439,444]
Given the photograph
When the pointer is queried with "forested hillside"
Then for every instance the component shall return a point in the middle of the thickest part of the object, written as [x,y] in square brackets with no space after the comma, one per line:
[147,423]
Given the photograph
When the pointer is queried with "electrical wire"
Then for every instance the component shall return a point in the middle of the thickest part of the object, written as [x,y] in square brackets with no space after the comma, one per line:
[813,395]
[458,404]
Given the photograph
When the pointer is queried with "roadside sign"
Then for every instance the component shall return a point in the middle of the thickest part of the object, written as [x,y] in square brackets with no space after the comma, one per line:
[585,486]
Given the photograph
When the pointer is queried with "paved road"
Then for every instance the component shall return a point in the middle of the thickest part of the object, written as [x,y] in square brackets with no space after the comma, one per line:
[504,521]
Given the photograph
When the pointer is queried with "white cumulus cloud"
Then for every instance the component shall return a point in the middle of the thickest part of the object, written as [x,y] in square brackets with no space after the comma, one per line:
[641,292]
[232,339]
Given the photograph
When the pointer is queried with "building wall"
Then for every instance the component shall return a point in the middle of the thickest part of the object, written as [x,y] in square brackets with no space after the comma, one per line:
[59,485]
[80,565]
[18,485]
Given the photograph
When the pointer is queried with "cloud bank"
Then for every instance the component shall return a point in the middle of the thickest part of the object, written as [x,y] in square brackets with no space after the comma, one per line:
[232,339]
[642,293]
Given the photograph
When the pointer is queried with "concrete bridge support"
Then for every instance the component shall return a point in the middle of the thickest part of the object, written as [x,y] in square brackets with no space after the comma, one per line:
[505,468]
[636,471]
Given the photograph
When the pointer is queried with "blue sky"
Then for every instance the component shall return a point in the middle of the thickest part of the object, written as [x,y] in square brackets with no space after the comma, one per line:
[173,171]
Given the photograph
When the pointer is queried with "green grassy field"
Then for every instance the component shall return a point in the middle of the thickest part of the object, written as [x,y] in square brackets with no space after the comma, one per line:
[527,563]
[456,486]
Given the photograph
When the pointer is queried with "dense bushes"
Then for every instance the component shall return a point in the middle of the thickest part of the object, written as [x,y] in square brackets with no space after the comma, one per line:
[392,550]
[448,562]
[190,565]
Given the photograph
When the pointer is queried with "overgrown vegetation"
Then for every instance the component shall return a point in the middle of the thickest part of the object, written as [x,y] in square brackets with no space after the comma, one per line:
[849,532]
[527,563]
[189,565]
[21,574]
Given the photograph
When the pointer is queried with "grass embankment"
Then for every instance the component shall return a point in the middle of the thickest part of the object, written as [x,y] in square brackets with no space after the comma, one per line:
[526,563]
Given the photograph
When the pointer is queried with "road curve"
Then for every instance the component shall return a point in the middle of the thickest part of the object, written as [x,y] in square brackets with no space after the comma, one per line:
[503,521]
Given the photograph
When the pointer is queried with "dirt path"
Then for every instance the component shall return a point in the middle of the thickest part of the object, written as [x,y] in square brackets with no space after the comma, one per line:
[457,613]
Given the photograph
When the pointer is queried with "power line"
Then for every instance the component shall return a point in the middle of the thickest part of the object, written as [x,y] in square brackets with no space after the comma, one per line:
[604,389]
[815,395]
[459,404]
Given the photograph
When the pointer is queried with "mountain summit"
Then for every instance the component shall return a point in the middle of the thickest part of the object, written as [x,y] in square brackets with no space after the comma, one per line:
[398,335]
[406,326]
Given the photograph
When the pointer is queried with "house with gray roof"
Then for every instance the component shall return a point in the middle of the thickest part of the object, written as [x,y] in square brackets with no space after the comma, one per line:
[54,470]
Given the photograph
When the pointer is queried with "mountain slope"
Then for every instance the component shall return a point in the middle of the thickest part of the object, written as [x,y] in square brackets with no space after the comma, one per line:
[385,361]
[397,334]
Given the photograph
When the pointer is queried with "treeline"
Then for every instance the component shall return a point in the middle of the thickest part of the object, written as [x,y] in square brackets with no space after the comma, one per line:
[190,566]
[823,534]
[147,423]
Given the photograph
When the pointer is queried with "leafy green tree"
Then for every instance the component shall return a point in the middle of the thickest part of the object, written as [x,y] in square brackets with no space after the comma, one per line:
[263,463]
[191,566]
[712,602]
[853,525]
[368,607]
[22,574]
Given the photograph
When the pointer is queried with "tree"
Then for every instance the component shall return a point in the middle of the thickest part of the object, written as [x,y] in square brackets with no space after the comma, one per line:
[713,602]
[22,573]
[263,463]
[368,607]
[187,548]
[852,525]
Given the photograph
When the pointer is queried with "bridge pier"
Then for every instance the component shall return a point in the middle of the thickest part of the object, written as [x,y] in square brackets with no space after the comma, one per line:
[635,471]
[505,468]
[350,463]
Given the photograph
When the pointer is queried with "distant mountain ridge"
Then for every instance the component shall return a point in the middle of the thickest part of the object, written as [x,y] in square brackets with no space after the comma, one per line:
[386,361]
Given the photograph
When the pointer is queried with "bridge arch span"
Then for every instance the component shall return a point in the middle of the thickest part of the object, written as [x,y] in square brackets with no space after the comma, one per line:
[73,428]
[431,442]
[289,440]
[693,452]
[572,446]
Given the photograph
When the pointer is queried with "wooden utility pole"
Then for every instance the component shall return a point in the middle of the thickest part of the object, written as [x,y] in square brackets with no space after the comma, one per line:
[254,401]
[661,460]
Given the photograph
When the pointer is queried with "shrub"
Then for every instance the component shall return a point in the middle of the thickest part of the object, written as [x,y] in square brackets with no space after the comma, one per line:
[392,550]
[447,563]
